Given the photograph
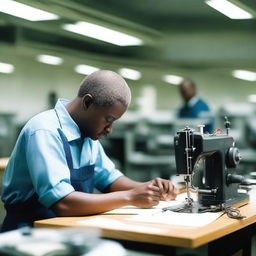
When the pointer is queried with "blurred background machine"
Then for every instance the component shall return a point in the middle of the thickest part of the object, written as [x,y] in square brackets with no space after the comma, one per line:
[57,242]
[242,117]
[8,133]
[141,144]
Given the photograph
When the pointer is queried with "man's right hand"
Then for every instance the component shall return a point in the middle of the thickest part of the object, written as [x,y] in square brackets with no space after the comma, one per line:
[145,195]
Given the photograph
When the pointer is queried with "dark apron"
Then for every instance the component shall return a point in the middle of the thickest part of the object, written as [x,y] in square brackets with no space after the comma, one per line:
[25,213]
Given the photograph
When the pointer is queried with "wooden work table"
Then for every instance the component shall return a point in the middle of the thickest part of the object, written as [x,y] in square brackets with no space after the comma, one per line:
[168,235]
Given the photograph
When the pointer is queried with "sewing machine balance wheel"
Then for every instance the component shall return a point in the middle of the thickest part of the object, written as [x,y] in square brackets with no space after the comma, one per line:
[233,157]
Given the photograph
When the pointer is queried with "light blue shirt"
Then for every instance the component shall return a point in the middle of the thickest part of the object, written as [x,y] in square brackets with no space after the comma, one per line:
[38,163]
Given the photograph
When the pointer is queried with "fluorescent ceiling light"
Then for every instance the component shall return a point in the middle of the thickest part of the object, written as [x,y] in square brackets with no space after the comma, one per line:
[172,79]
[129,73]
[6,68]
[25,12]
[102,33]
[85,69]
[48,59]
[244,75]
[229,9]
[252,98]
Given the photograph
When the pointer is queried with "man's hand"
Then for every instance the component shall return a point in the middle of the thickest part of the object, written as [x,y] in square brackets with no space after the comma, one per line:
[144,196]
[166,189]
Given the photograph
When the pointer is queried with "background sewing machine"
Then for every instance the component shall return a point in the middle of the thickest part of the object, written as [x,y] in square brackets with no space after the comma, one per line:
[219,183]
[28,241]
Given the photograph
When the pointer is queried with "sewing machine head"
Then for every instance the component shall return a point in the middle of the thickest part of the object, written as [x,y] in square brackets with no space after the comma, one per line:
[219,181]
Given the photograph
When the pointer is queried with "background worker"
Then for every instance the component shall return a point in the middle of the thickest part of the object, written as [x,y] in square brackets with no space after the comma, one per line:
[194,106]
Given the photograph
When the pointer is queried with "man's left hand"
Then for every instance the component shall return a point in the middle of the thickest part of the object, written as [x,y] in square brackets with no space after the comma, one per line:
[167,189]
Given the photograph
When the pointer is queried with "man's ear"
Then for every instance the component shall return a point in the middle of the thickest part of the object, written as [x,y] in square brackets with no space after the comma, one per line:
[87,101]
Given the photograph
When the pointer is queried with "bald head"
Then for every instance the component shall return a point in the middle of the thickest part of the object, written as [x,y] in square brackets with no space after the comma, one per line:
[106,88]
[187,89]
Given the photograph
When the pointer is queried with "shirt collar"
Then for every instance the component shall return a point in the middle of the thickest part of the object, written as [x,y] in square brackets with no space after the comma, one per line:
[192,101]
[67,124]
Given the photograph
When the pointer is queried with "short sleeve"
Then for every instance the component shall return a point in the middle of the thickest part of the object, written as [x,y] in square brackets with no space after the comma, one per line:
[47,166]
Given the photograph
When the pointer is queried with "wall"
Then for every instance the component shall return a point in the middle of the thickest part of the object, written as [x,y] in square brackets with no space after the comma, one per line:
[24,92]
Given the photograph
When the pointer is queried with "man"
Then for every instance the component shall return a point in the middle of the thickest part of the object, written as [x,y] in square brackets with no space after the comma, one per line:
[194,107]
[58,160]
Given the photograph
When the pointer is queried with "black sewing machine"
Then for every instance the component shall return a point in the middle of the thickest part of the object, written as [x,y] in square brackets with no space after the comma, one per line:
[220,182]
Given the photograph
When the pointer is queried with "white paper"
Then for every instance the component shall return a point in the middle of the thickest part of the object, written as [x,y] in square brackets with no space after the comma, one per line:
[115,224]
[156,215]
[177,218]
[252,194]
[135,210]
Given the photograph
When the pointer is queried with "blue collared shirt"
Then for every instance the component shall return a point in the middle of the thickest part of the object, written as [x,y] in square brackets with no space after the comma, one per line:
[38,163]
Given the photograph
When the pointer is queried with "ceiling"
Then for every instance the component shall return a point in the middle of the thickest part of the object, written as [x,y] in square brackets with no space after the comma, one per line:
[178,34]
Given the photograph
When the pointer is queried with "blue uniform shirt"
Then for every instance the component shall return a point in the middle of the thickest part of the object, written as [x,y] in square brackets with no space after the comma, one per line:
[38,162]
[197,108]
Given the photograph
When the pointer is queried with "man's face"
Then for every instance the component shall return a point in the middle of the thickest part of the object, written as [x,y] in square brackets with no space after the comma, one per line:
[187,91]
[97,121]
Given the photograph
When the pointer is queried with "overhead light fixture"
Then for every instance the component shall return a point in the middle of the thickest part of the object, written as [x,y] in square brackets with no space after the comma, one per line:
[229,9]
[172,79]
[6,68]
[25,12]
[252,98]
[48,59]
[129,73]
[85,69]
[102,33]
[244,75]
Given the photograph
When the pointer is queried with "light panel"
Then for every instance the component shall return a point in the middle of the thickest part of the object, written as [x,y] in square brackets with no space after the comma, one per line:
[244,75]
[6,68]
[102,33]
[25,12]
[48,59]
[85,69]
[229,9]
[172,79]
[129,73]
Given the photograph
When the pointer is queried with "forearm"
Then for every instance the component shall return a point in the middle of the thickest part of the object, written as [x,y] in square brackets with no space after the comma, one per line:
[78,203]
[124,192]
[123,183]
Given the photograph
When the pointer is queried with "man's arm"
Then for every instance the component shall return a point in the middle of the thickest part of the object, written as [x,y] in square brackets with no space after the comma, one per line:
[123,191]
[123,183]
[78,203]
